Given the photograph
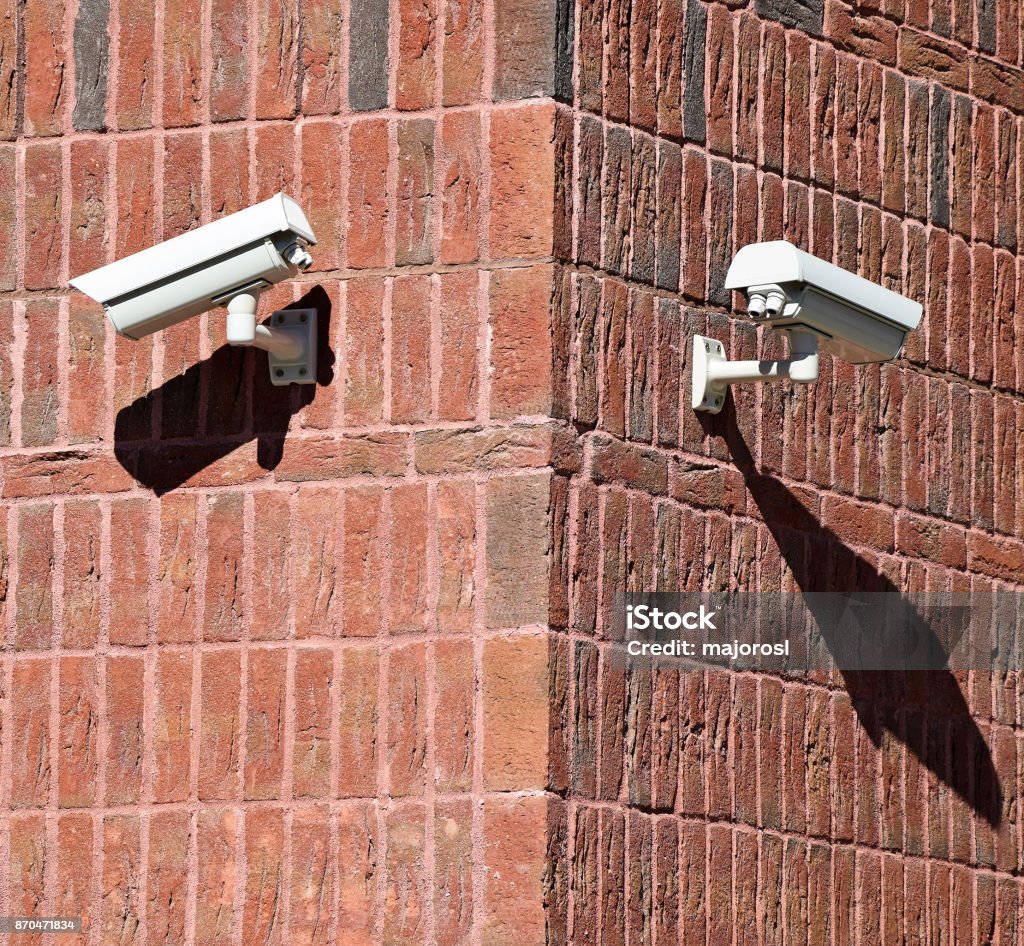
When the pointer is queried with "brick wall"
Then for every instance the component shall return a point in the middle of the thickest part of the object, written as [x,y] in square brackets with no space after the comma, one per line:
[748,808]
[275,660]
[332,666]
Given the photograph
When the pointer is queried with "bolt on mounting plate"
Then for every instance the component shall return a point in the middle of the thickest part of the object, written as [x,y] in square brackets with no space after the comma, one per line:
[707,396]
[302,370]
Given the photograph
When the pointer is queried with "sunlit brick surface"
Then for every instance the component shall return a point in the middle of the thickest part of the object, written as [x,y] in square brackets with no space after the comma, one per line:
[265,669]
[330,665]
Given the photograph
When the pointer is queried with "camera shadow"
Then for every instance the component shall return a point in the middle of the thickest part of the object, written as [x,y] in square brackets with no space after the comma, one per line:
[174,432]
[912,705]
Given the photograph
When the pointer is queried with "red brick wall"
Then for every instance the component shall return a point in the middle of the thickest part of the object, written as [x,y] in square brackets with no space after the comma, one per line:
[331,666]
[275,660]
[748,808]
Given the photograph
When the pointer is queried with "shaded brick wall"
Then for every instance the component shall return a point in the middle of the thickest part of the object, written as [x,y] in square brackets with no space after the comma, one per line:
[275,661]
[742,807]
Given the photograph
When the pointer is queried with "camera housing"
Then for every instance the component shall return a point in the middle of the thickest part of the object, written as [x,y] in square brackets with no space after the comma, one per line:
[815,304]
[853,318]
[227,262]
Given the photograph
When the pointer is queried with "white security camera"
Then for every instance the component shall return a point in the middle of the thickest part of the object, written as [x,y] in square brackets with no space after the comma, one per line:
[227,262]
[814,303]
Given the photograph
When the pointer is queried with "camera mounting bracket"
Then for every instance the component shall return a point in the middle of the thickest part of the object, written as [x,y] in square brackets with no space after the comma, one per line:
[713,373]
[290,339]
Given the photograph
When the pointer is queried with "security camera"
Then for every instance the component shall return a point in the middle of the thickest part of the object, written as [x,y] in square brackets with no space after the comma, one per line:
[227,262]
[815,304]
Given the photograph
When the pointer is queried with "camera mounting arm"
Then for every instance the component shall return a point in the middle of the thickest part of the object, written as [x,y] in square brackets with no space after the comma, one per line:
[289,340]
[713,372]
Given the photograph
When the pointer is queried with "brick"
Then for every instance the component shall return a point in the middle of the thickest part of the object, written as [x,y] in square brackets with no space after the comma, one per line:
[8,219]
[86,339]
[932,58]
[358,863]
[265,724]
[75,863]
[10,80]
[643,202]
[44,209]
[129,572]
[28,857]
[167,876]
[274,168]
[747,74]
[312,880]
[182,58]
[120,888]
[89,235]
[459,330]
[322,191]
[461,172]
[29,684]
[411,306]
[618,181]
[514,830]
[522,181]
[465,450]
[311,751]
[405,890]
[270,562]
[229,41]
[136,215]
[224,588]
[216,909]
[320,57]
[873,37]
[806,16]
[407,721]
[136,65]
[278,52]
[219,732]
[694,60]
[720,91]
[33,599]
[517,550]
[643,63]
[363,561]
[368,57]
[847,130]
[417,56]
[410,595]
[996,556]
[515,715]
[176,570]
[43,56]
[172,730]
[521,342]
[329,458]
[80,614]
[368,214]
[314,565]
[462,65]
[358,713]
[525,64]
[79,714]
[40,401]
[617,89]
[264,876]
[720,233]
[125,729]
[414,215]
[453,887]
[996,83]
[454,730]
